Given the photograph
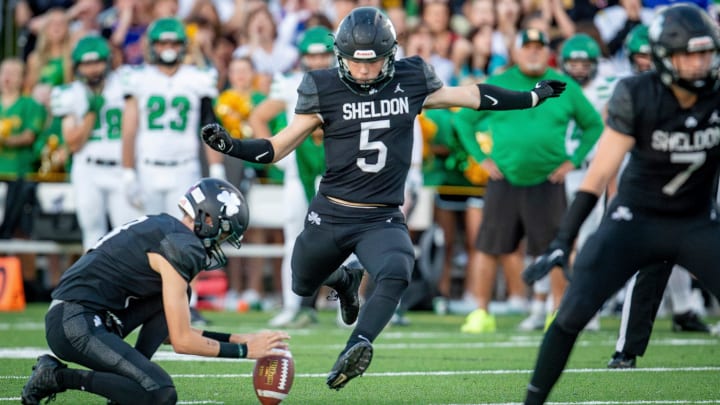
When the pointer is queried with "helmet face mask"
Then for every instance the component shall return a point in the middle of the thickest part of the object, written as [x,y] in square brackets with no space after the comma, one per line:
[91,60]
[168,41]
[220,214]
[675,33]
[579,58]
[365,36]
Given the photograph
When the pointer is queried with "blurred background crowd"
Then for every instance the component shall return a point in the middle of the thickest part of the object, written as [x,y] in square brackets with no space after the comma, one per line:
[247,43]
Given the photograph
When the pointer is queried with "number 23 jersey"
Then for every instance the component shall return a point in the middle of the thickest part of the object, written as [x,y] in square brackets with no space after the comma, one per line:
[169,109]
[674,162]
[368,138]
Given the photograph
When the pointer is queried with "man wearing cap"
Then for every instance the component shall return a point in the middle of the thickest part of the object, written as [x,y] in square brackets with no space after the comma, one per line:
[525,197]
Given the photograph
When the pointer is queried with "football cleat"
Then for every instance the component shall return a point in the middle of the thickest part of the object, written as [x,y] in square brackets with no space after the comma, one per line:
[622,360]
[42,382]
[350,299]
[689,322]
[350,364]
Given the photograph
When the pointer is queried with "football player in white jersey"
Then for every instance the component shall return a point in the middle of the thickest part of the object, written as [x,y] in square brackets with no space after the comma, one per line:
[166,102]
[91,111]
[316,50]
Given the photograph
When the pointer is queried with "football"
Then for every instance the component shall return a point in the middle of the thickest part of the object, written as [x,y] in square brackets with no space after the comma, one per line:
[273,377]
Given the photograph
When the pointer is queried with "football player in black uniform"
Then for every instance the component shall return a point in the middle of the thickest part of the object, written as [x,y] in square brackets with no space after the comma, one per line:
[664,210]
[138,275]
[366,107]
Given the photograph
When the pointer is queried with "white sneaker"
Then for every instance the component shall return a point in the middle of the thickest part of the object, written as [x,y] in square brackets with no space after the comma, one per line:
[535,321]
[283,318]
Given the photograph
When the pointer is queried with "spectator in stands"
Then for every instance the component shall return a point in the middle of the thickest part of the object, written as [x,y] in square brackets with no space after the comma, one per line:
[30,19]
[479,13]
[421,42]
[49,62]
[527,164]
[480,61]
[260,44]
[448,44]
[85,20]
[615,22]
[509,17]
[21,121]
[133,18]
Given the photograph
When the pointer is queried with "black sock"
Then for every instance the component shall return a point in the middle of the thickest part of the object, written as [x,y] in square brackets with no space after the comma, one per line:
[377,311]
[554,353]
[73,379]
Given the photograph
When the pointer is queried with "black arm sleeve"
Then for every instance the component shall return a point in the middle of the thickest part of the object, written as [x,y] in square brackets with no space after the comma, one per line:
[207,114]
[498,98]
[253,150]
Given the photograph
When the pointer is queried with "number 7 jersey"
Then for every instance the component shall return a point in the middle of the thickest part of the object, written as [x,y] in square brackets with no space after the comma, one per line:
[677,149]
[368,138]
[169,110]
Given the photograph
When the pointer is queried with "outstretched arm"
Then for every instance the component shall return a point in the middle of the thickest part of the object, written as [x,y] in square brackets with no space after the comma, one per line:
[186,340]
[262,150]
[490,97]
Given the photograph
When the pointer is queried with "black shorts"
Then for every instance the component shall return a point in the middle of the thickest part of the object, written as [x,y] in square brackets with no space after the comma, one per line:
[513,212]
[378,236]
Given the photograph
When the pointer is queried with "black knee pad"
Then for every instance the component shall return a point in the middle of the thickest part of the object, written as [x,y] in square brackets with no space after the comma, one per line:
[164,396]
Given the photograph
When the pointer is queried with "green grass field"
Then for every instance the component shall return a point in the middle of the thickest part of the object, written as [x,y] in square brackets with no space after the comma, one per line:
[428,362]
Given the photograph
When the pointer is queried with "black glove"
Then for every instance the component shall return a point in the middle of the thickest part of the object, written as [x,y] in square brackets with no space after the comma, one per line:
[546,89]
[217,137]
[555,255]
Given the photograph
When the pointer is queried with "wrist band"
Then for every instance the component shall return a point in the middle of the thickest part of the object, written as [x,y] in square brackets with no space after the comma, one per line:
[232,350]
[219,336]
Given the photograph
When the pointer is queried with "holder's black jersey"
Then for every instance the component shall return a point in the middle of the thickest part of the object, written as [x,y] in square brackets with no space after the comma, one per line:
[673,165]
[116,269]
[368,138]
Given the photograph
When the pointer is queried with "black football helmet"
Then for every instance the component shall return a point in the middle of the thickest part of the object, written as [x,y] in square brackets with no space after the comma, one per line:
[684,27]
[366,34]
[220,214]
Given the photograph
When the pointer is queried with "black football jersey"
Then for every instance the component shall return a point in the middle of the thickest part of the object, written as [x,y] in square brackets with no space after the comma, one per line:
[117,270]
[673,165]
[368,138]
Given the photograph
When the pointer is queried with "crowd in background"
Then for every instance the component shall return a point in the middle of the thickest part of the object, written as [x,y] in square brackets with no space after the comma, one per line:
[248,42]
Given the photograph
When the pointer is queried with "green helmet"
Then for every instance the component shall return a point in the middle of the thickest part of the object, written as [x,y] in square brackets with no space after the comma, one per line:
[580,47]
[316,40]
[167,29]
[637,41]
[91,48]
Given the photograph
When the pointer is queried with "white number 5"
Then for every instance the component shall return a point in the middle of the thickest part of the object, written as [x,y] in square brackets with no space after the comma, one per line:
[366,144]
[694,159]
